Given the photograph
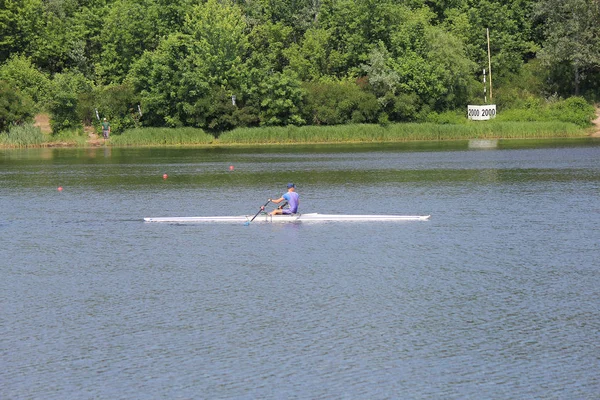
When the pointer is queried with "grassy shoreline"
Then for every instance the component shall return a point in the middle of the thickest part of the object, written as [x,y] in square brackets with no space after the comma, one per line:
[290,135]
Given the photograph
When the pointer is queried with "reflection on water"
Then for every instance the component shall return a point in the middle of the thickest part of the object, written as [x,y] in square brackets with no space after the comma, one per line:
[483,143]
[494,297]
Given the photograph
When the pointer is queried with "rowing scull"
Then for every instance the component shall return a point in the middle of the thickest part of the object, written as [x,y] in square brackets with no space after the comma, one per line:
[311,217]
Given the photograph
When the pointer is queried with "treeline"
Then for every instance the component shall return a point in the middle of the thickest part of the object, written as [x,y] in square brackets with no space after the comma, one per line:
[224,64]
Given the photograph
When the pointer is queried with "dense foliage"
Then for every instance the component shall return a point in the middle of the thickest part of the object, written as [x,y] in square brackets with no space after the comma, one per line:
[225,64]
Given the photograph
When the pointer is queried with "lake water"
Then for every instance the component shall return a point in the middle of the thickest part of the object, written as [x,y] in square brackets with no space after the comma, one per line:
[497,296]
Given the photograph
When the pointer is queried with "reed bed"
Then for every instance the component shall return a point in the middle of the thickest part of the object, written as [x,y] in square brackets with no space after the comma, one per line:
[30,136]
[401,132]
[161,136]
[22,136]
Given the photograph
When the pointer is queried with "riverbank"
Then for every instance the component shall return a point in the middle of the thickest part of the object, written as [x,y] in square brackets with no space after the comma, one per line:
[291,135]
[358,133]
[595,131]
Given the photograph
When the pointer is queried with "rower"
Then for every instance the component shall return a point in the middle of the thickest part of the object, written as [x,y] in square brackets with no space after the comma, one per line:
[291,197]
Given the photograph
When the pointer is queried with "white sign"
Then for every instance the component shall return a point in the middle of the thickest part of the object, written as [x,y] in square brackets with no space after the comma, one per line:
[480,113]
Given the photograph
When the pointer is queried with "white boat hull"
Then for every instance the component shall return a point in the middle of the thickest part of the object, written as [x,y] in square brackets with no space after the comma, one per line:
[313,217]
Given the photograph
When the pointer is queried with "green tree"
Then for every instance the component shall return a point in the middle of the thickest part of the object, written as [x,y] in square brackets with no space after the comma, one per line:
[511,33]
[59,44]
[572,37]
[216,111]
[64,103]
[267,48]
[383,79]
[161,80]
[175,80]
[333,103]
[355,27]
[281,99]
[315,57]
[425,68]
[16,107]
[19,26]
[128,30]
[20,72]
[299,15]
[118,103]
[219,41]
[398,101]
[452,70]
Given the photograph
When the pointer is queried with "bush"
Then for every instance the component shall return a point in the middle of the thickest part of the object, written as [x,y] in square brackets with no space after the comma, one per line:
[64,103]
[281,97]
[403,107]
[118,103]
[336,103]
[16,107]
[214,111]
[519,89]
[20,73]
[448,117]
[574,110]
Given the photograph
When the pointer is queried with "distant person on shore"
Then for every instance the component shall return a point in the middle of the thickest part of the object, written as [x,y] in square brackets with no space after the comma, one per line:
[105,128]
[292,198]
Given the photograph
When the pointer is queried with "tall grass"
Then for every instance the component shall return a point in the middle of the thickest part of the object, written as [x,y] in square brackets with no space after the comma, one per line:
[22,136]
[69,137]
[401,132]
[161,136]
[27,135]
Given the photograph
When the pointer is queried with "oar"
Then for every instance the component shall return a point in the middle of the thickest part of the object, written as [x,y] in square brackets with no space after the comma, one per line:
[255,215]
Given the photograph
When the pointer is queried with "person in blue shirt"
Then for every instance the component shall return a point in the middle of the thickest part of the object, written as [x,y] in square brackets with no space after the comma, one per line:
[292,198]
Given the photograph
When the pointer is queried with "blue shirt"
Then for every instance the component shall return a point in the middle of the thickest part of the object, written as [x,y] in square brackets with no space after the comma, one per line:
[292,199]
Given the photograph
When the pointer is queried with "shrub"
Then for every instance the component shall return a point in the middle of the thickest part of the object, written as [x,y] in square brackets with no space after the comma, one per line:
[574,109]
[518,89]
[447,117]
[15,106]
[64,103]
[118,103]
[20,73]
[281,98]
[335,103]
[403,107]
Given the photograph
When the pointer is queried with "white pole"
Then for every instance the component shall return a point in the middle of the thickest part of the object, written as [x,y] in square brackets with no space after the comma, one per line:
[489,61]
[484,88]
